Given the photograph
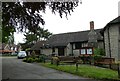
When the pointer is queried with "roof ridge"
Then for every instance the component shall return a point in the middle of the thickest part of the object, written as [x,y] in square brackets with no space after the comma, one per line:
[76,32]
[114,19]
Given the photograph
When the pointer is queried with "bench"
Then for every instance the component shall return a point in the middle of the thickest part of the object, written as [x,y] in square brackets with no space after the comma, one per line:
[105,61]
[64,59]
[68,59]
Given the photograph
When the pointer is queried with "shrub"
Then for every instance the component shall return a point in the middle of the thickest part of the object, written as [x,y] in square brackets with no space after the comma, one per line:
[42,58]
[25,60]
[36,60]
[55,60]
[99,51]
[30,60]
[97,57]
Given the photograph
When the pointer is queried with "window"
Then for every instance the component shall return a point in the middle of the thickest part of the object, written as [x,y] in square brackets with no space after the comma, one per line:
[86,51]
[89,51]
[82,51]
[84,44]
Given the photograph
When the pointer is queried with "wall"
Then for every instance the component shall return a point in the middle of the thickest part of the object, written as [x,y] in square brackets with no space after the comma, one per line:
[119,45]
[76,52]
[69,49]
[46,51]
[100,44]
[56,51]
[65,51]
[114,35]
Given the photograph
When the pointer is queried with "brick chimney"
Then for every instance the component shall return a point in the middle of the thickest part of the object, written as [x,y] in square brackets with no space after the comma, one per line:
[92,25]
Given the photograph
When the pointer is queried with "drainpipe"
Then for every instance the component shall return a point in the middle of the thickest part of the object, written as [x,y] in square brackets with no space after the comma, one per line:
[109,41]
[103,41]
[72,49]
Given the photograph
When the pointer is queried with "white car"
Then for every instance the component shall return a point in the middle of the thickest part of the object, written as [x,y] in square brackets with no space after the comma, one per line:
[21,54]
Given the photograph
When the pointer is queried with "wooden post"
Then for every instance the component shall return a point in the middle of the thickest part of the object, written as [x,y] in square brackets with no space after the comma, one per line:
[118,65]
[110,66]
[76,66]
[57,62]
[51,61]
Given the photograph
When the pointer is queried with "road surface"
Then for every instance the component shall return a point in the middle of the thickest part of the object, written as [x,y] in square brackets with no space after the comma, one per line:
[13,68]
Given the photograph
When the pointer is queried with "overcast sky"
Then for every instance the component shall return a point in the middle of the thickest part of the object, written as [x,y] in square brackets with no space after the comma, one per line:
[99,11]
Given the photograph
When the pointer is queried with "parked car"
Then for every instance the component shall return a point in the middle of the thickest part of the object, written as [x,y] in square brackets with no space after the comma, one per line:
[21,55]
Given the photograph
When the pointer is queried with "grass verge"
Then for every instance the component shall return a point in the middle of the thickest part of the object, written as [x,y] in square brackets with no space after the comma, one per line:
[87,71]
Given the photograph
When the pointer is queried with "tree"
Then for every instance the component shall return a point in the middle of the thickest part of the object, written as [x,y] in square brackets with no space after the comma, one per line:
[30,37]
[43,34]
[39,34]
[8,35]
[27,15]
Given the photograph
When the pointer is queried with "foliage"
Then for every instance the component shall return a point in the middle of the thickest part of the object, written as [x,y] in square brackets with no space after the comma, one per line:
[97,57]
[26,45]
[55,60]
[87,71]
[27,15]
[8,35]
[24,59]
[99,51]
[30,37]
[38,34]
[30,60]
[42,58]
[36,59]
[27,49]
[22,16]
[8,54]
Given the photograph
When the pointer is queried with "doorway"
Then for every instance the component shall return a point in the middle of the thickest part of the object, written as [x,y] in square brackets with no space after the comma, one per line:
[60,51]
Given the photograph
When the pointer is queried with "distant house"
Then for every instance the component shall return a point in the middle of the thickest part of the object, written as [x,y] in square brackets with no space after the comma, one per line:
[15,48]
[12,48]
[66,44]
[4,48]
[112,38]
[37,47]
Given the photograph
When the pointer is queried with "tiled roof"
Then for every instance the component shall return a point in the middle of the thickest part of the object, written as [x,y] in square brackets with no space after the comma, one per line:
[114,21]
[65,38]
[38,45]
[2,46]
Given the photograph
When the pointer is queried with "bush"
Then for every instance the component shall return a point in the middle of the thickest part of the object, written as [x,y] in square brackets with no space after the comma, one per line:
[36,60]
[25,60]
[99,51]
[42,58]
[30,60]
[97,57]
[55,60]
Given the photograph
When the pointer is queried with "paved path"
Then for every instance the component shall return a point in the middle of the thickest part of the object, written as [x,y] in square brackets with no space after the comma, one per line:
[14,68]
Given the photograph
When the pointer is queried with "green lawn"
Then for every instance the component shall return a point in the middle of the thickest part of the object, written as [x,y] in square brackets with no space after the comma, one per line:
[86,71]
